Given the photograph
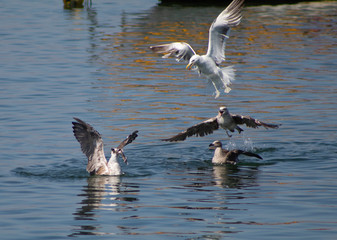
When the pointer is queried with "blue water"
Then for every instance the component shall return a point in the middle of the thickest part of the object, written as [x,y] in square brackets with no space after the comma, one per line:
[95,64]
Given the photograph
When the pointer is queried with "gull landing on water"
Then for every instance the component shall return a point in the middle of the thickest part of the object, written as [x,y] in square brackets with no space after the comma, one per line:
[223,156]
[225,120]
[92,146]
[208,65]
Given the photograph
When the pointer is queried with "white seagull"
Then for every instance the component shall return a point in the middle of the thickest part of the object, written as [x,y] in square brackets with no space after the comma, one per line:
[208,65]
[223,156]
[225,120]
[92,146]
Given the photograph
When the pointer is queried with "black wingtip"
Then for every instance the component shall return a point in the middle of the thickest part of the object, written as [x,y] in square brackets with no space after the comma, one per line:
[168,140]
[254,155]
[173,139]
[275,126]
[133,136]
[251,154]
[73,122]
[78,121]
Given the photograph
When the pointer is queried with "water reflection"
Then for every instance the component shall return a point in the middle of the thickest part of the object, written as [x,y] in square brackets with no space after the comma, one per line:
[101,193]
[174,199]
[70,4]
[226,176]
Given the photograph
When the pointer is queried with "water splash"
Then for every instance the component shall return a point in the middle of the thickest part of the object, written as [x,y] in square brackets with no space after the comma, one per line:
[248,143]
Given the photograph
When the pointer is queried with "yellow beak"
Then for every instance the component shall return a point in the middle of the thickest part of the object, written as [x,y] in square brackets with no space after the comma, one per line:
[189,66]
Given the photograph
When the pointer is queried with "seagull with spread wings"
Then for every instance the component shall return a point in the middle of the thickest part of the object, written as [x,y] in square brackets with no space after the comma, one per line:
[223,156]
[225,120]
[208,65]
[92,146]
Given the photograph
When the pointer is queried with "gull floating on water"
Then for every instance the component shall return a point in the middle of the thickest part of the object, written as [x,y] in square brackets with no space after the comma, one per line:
[92,146]
[208,65]
[223,156]
[225,120]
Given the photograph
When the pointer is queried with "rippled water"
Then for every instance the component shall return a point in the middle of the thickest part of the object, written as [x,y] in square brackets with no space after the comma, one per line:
[95,64]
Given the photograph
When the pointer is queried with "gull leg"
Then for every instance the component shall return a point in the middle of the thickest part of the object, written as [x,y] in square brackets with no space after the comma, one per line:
[228,133]
[217,92]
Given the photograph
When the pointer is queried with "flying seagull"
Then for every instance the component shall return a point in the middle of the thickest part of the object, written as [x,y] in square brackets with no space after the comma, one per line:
[223,156]
[225,120]
[92,146]
[208,65]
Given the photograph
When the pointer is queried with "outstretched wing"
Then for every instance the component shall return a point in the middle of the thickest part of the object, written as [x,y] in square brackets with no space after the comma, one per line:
[125,142]
[232,156]
[200,129]
[91,144]
[252,122]
[180,50]
[249,154]
[128,140]
[219,30]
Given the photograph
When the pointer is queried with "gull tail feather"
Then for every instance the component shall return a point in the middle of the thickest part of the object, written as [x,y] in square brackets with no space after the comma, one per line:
[223,80]
[227,77]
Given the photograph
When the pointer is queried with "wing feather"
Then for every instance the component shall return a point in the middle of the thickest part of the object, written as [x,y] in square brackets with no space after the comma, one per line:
[252,122]
[91,144]
[250,154]
[200,129]
[219,30]
[128,140]
[180,50]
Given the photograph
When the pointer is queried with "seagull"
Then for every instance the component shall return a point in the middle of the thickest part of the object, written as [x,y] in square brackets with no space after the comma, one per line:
[92,146]
[225,120]
[223,156]
[208,65]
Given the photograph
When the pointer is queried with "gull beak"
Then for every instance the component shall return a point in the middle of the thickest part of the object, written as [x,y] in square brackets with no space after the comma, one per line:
[211,146]
[189,66]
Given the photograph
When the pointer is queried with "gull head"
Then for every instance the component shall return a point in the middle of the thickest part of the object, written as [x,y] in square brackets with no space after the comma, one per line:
[223,110]
[215,144]
[193,60]
[117,152]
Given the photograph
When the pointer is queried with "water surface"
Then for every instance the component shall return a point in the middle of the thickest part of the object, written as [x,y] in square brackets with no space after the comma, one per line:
[95,64]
